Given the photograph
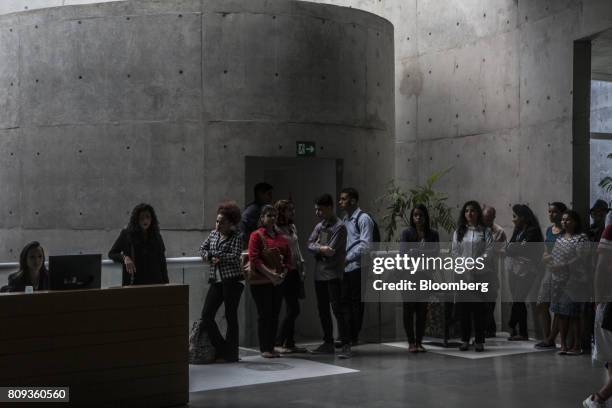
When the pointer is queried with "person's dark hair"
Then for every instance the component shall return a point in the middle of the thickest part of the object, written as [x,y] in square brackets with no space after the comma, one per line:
[423,209]
[261,188]
[23,261]
[559,206]
[230,210]
[351,192]
[134,225]
[577,220]
[281,206]
[266,209]
[325,200]
[531,221]
[462,221]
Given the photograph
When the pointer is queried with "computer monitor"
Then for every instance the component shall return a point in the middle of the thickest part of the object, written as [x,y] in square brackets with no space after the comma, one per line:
[75,272]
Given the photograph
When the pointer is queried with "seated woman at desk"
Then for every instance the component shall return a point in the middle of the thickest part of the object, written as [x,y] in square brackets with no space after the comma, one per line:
[140,249]
[32,270]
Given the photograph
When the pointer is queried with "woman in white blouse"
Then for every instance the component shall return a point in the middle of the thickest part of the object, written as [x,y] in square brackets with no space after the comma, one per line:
[472,240]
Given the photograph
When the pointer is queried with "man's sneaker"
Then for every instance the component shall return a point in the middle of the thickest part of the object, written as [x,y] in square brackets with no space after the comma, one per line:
[338,344]
[346,352]
[591,403]
[479,347]
[464,346]
[325,348]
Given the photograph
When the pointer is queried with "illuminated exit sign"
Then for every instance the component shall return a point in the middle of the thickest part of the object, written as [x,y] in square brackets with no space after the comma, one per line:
[305,149]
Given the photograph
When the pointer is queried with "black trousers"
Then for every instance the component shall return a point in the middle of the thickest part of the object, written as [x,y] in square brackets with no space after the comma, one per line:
[330,292]
[351,296]
[291,293]
[227,293]
[588,324]
[469,311]
[518,315]
[268,299]
[410,310]
[490,325]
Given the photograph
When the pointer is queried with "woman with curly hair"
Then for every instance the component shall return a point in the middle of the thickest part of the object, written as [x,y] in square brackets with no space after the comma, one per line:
[222,250]
[140,248]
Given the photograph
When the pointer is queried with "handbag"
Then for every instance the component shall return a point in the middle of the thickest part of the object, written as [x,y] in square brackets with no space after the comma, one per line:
[271,257]
[518,266]
[201,351]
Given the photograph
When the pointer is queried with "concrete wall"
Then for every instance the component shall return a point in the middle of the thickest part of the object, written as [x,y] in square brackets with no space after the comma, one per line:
[486,87]
[104,106]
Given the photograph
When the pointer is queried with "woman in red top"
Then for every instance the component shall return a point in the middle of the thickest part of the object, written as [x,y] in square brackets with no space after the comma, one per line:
[265,284]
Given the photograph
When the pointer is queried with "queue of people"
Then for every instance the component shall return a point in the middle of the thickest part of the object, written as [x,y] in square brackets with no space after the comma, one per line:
[273,266]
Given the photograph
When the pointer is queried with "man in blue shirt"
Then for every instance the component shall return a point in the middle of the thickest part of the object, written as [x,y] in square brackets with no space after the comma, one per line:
[360,234]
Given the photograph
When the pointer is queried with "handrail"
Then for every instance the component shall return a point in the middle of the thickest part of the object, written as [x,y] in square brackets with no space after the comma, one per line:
[186,260]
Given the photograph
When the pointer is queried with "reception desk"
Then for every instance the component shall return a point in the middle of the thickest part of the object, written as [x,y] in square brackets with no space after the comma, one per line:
[117,347]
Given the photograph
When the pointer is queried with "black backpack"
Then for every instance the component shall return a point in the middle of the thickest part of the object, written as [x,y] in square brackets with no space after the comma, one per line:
[375,229]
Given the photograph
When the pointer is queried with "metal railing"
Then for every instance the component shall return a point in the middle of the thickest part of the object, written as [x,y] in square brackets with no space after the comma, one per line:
[193,261]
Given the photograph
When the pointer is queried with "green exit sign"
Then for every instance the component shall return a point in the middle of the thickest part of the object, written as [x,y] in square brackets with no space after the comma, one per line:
[305,149]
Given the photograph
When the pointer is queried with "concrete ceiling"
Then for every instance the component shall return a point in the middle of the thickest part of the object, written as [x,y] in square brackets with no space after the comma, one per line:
[601,60]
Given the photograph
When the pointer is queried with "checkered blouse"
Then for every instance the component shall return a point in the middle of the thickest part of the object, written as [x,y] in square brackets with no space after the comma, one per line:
[228,250]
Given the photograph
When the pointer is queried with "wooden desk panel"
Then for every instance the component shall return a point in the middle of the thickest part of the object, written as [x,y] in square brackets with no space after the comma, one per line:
[112,347]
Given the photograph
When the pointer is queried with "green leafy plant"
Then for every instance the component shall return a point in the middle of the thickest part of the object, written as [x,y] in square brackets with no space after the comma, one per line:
[399,203]
[606,182]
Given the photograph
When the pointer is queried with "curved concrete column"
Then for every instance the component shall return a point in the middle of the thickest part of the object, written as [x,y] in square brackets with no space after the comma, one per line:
[103,106]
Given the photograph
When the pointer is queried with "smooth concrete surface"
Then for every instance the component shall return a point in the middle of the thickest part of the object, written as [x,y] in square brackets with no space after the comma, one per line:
[103,106]
[390,377]
[484,87]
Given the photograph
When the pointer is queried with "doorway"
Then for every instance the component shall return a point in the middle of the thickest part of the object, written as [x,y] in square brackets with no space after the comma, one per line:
[301,180]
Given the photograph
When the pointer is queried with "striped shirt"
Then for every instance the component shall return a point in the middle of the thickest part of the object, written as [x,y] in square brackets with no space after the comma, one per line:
[228,251]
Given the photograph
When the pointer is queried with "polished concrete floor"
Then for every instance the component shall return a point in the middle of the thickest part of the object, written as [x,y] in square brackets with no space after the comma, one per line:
[388,376]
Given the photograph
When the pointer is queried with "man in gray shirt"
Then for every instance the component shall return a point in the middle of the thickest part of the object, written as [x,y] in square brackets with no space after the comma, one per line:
[328,244]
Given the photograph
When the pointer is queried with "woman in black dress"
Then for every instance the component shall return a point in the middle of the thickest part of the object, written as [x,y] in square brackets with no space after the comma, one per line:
[140,249]
[523,261]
